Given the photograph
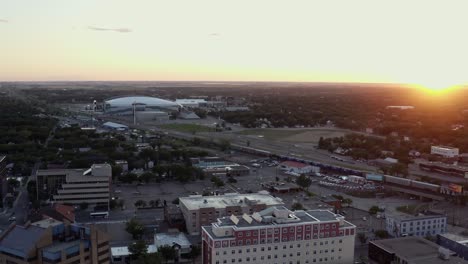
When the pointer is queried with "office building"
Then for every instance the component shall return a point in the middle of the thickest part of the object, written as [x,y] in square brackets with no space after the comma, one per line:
[277,235]
[51,241]
[448,152]
[430,224]
[203,210]
[76,186]
[410,250]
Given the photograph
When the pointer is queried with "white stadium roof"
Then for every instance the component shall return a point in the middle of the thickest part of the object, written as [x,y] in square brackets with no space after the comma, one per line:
[150,101]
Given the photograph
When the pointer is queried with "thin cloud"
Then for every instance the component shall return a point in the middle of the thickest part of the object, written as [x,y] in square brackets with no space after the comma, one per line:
[214,34]
[119,30]
[3,21]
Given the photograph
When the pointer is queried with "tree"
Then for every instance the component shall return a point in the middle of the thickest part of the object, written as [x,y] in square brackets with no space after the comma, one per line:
[151,258]
[374,210]
[140,203]
[167,253]
[128,178]
[116,171]
[194,252]
[138,249]
[297,206]
[304,181]
[146,177]
[347,201]
[381,233]
[362,238]
[134,228]
[232,180]
[224,144]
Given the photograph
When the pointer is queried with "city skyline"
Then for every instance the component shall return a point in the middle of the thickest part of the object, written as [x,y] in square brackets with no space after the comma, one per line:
[301,41]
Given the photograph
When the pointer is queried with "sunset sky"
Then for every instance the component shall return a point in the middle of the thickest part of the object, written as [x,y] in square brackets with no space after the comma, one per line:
[423,42]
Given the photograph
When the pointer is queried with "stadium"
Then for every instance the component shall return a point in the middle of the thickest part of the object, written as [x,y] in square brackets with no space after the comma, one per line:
[126,105]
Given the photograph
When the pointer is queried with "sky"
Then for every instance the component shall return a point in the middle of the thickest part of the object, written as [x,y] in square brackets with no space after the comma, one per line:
[419,41]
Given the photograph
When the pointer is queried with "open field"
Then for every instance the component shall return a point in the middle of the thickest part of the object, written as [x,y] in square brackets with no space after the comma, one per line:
[187,128]
[310,135]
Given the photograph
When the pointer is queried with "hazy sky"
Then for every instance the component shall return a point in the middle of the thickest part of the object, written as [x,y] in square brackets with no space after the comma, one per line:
[363,41]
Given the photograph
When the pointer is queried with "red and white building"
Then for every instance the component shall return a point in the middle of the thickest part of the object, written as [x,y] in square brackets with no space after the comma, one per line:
[279,236]
[298,167]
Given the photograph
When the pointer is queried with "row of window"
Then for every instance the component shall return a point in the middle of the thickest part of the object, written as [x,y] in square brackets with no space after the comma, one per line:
[249,242]
[423,222]
[321,243]
[315,252]
[285,230]
[262,258]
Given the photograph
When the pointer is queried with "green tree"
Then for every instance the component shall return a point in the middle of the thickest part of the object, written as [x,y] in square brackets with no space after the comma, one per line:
[149,258]
[297,206]
[134,228]
[195,251]
[347,201]
[304,181]
[138,249]
[168,253]
[224,144]
[140,203]
[116,171]
[374,210]
[381,234]
[362,238]
[146,177]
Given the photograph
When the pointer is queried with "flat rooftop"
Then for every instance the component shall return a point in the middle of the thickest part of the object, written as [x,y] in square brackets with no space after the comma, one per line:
[456,237]
[406,217]
[47,223]
[16,240]
[418,250]
[195,202]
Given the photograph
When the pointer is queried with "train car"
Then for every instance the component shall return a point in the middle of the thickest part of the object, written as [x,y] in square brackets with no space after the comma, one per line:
[250,150]
[426,186]
[397,180]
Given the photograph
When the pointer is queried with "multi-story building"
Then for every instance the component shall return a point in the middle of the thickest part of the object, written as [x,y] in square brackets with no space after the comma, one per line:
[203,210]
[430,224]
[448,152]
[76,186]
[51,241]
[410,250]
[3,178]
[277,235]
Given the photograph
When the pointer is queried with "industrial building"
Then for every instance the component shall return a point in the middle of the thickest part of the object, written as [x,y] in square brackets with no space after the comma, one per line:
[114,126]
[410,250]
[203,210]
[130,104]
[278,235]
[455,242]
[217,166]
[298,167]
[51,241]
[448,152]
[76,186]
[429,224]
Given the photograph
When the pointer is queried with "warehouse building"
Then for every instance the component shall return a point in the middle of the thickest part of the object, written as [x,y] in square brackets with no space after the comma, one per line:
[448,152]
[410,250]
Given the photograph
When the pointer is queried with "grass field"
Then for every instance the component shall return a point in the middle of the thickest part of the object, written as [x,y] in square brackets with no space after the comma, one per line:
[188,128]
[295,135]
